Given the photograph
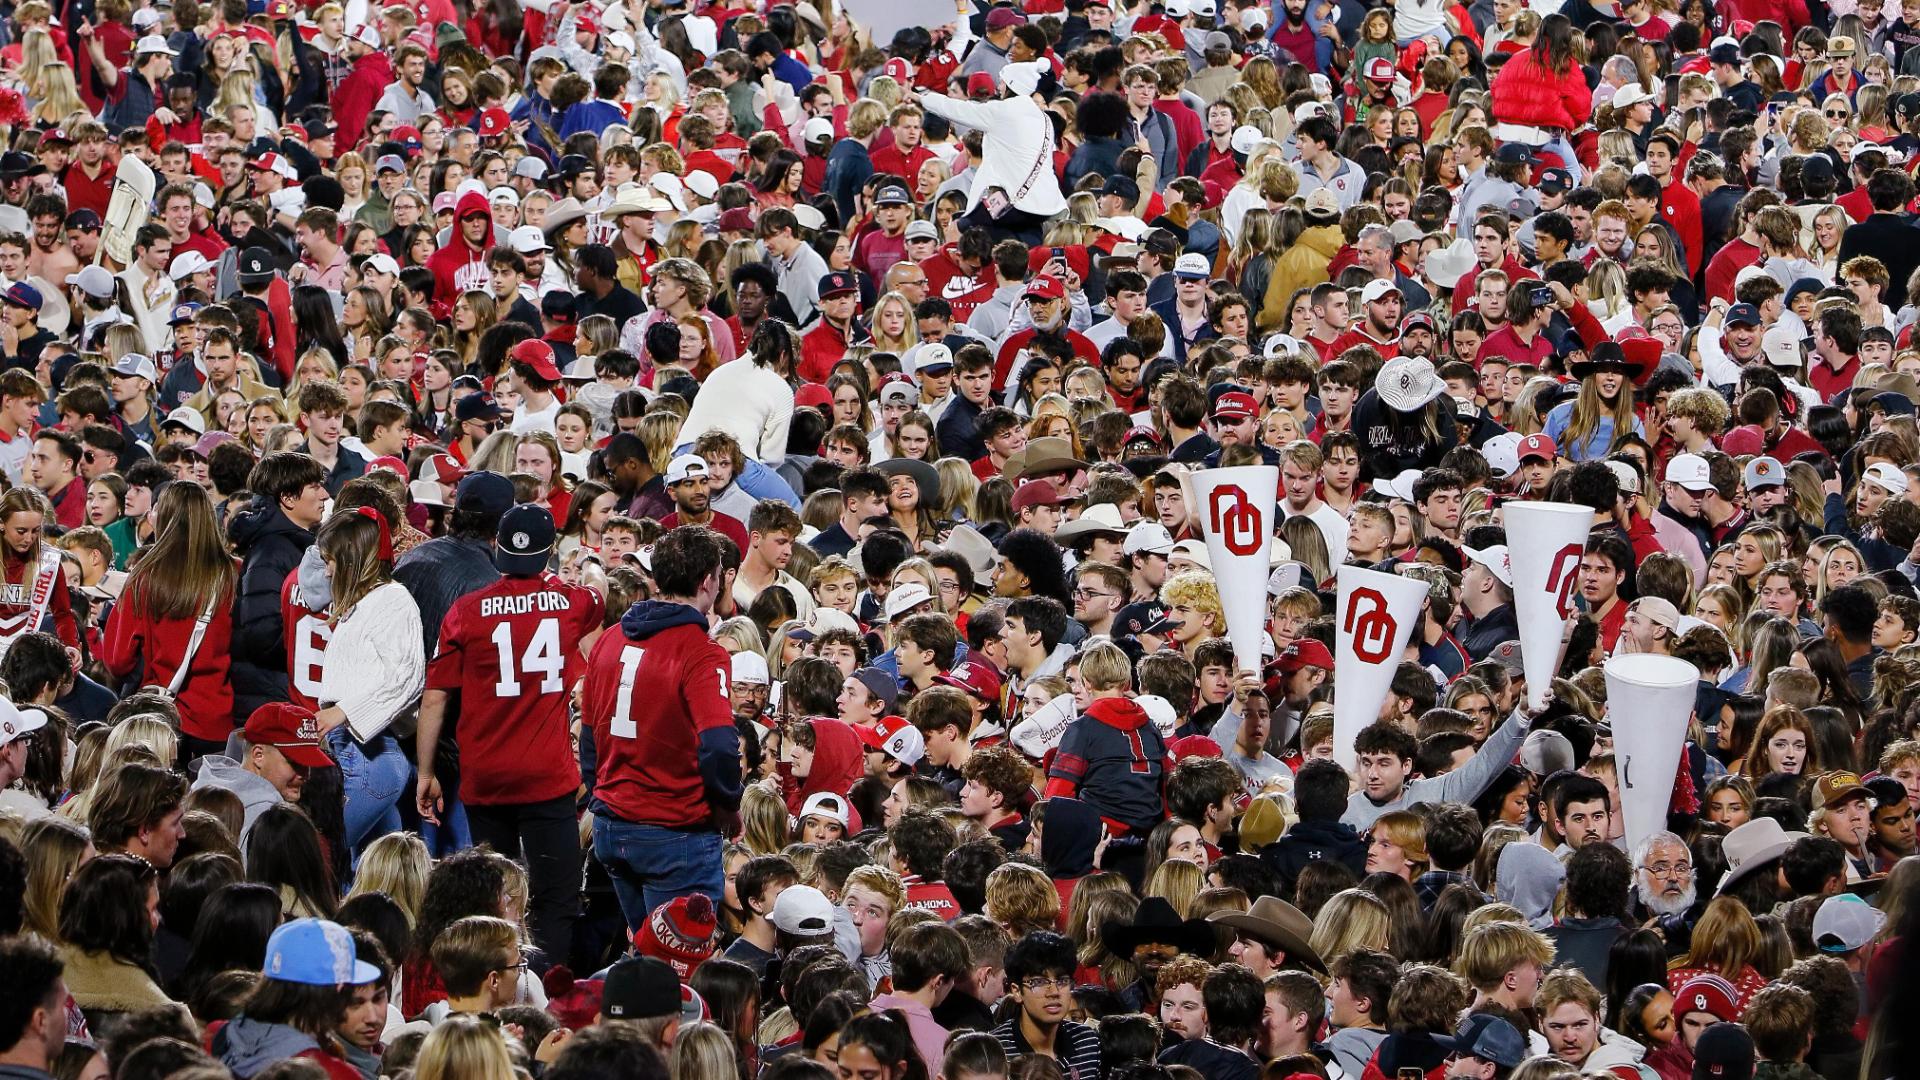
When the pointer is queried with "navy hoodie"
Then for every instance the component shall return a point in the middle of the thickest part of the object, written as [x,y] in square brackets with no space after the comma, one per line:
[1113,757]
[664,750]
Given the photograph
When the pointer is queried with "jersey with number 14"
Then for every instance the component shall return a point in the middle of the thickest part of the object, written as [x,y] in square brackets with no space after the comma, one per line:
[512,652]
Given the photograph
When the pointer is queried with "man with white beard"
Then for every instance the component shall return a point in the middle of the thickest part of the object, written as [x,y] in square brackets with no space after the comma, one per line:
[1664,884]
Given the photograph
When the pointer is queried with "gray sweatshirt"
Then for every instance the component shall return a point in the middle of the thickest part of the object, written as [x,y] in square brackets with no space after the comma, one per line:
[1462,785]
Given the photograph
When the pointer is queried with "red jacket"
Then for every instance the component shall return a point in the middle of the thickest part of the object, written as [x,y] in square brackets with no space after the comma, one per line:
[1791,15]
[1681,207]
[357,95]
[1003,364]
[460,265]
[1525,92]
[137,639]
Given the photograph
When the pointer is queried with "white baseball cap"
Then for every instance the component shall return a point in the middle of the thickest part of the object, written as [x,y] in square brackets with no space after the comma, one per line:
[528,238]
[686,467]
[1502,453]
[750,668]
[825,804]
[1887,476]
[185,263]
[1149,537]
[1690,471]
[1494,558]
[905,599]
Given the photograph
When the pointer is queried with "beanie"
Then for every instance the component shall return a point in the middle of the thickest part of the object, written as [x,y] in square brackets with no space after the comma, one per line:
[679,932]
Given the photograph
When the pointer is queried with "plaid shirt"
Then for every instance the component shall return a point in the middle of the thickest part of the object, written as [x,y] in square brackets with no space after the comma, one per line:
[1430,885]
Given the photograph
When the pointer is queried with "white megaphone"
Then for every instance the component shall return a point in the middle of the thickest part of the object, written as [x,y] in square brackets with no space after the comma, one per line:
[1236,508]
[1649,700]
[1544,544]
[1373,620]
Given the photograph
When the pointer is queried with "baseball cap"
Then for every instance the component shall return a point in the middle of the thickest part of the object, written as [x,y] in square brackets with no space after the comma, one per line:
[1764,472]
[1741,315]
[1546,752]
[686,467]
[1045,287]
[1690,471]
[641,987]
[187,418]
[894,737]
[1554,181]
[1846,922]
[976,677]
[825,804]
[1659,610]
[134,365]
[892,196]
[538,355]
[524,240]
[524,542]
[1724,1052]
[316,952]
[484,492]
[1494,558]
[1192,266]
[183,313]
[1502,453]
[289,729]
[1837,787]
[1149,537]
[1887,476]
[1305,652]
[799,909]
[838,282]
[933,354]
[1235,405]
[18,723]
[1489,1038]
[476,407]
[922,229]
[95,281]
[1538,445]
[750,669]
[905,599]
[1377,288]
[23,295]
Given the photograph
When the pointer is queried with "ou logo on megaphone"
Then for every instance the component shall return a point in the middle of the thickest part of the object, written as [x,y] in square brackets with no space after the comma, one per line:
[1235,519]
[1370,625]
[1564,579]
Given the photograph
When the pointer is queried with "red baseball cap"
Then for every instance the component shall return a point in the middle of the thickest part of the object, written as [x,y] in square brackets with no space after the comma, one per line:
[1305,652]
[980,85]
[444,468]
[1046,287]
[812,394]
[388,461]
[1038,493]
[289,729]
[1235,405]
[538,355]
[1538,445]
[900,70]
[1193,746]
[494,121]
[1379,69]
[976,677]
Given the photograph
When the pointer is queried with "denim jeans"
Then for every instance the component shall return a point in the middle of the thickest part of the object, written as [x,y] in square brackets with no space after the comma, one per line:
[546,837]
[452,834]
[376,776]
[651,866]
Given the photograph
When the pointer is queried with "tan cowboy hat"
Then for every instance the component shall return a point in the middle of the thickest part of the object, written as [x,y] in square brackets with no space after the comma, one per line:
[1277,923]
[968,543]
[1753,845]
[1041,456]
[562,214]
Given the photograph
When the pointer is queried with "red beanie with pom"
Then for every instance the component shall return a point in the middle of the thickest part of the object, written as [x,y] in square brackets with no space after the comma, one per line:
[679,932]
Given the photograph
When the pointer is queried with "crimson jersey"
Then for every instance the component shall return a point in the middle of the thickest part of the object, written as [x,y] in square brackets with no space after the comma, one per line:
[36,585]
[511,651]
[307,633]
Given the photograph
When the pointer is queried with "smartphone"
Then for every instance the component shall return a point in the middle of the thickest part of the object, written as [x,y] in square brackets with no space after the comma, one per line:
[1540,295]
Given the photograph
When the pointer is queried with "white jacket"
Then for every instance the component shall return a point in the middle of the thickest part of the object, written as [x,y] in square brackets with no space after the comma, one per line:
[1017,156]
[376,663]
[749,402]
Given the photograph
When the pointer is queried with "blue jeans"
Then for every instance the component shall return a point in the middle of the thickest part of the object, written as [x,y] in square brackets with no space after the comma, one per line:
[651,866]
[376,776]
[452,834]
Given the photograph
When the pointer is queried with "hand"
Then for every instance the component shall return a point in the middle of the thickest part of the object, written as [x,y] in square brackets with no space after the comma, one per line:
[427,799]
[1561,296]
[1100,849]
[1243,684]
[1329,31]
[166,116]
[85,30]
[329,718]
[1831,486]
[550,1046]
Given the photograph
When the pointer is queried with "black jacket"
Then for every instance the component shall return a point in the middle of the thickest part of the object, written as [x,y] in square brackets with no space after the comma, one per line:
[1310,841]
[1892,239]
[270,546]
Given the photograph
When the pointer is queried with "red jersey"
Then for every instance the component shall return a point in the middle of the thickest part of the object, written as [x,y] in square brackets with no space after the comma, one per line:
[31,589]
[648,701]
[511,651]
[964,291]
[307,634]
[932,896]
[725,524]
[1010,351]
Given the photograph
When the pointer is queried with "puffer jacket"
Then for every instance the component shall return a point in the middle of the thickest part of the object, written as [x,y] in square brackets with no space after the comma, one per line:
[1526,92]
[1302,266]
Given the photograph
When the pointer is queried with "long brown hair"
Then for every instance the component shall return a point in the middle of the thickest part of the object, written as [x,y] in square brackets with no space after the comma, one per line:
[188,565]
[352,542]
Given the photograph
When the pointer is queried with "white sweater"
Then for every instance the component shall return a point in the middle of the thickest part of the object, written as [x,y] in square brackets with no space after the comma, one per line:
[376,663]
[749,402]
[1017,156]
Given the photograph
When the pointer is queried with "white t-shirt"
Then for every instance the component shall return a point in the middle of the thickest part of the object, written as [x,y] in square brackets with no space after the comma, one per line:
[1333,526]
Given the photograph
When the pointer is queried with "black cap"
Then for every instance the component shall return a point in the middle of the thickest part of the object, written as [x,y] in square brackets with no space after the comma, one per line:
[1122,186]
[1514,153]
[1555,180]
[572,165]
[835,282]
[524,543]
[1910,103]
[1816,167]
[484,492]
[16,165]
[640,988]
[1724,1052]
[1724,54]
[1741,314]
[475,407]
[893,195]
[84,220]
[256,262]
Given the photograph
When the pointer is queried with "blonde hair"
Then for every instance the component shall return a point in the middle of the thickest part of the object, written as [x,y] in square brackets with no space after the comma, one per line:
[1196,589]
[1408,832]
[764,826]
[1022,899]
[1178,882]
[149,730]
[701,1051]
[1351,919]
[463,1047]
[54,847]
[879,879]
[396,864]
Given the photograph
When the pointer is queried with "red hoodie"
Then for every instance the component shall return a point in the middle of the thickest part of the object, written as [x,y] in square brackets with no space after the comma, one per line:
[1113,758]
[461,265]
[839,761]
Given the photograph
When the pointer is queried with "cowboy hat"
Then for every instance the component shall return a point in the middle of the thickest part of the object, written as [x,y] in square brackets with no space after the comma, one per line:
[1445,266]
[1277,923]
[1156,923]
[1042,456]
[562,214]
[1101,518]
[924,477]
[1751,846]
[632,199]
[968,543]
[1629,357]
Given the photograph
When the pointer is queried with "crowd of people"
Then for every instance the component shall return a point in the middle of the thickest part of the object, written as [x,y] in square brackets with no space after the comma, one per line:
[592,539]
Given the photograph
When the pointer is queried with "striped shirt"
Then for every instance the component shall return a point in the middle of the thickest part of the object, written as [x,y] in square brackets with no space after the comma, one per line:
[1076,1047]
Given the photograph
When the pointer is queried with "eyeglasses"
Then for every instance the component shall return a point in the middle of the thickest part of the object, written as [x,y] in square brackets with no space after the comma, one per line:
[1041,983]
[1669,869]
[1089,594]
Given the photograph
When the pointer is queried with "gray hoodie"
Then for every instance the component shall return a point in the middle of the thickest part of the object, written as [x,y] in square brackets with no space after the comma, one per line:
[250,1046]
[256,793]
[1529,878]
[1353,1047]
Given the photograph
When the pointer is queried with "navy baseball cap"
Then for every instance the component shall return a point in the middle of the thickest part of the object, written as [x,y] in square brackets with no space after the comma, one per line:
[1555,180]
[1489,1038]
[837,282]
[486,492]
[524,543]
[24,295]
[1740,314]
[475,407]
